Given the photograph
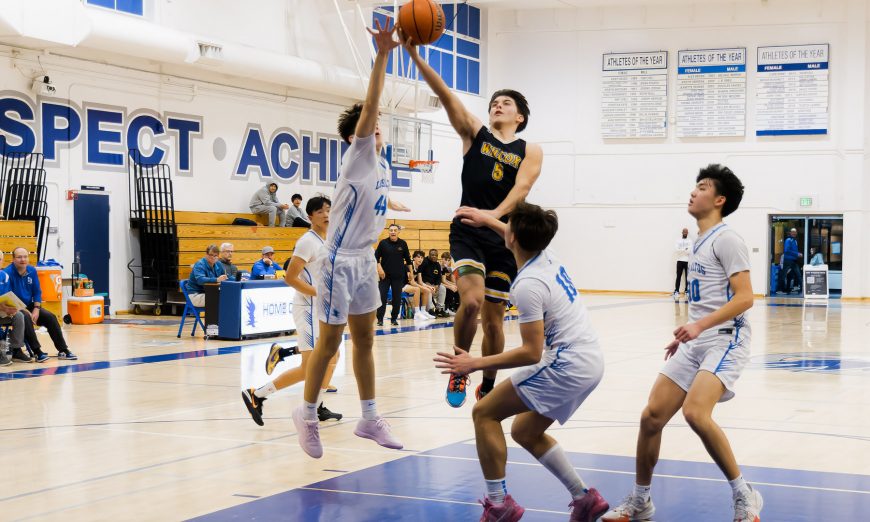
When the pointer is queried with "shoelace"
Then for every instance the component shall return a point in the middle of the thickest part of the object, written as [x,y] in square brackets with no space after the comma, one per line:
[741,508]
[458,382]
[312,433]
[630,502]
[382,424]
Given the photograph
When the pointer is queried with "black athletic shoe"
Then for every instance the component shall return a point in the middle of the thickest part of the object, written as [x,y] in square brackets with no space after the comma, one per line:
[18,355]
[254,405]
[323,414]
[394,323]
[380,323]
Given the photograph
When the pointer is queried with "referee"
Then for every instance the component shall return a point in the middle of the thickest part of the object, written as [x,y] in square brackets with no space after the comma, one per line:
[393,260]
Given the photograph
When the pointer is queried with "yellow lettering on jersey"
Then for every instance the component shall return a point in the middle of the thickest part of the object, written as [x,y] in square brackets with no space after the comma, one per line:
[498,171]
[508,158]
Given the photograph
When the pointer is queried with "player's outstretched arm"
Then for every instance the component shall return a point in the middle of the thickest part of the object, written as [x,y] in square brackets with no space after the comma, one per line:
[291,277]
[529,171]
[741,301]
[398,206]
[385,42]
[465,123]
[529,353]
[480,218]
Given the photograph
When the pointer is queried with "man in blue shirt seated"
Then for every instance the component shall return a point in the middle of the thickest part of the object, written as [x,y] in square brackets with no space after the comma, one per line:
[206,270]
[265,267]
[25,285]
[16,318]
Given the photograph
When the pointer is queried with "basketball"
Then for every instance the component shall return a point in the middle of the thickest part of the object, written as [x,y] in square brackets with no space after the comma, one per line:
[422,21]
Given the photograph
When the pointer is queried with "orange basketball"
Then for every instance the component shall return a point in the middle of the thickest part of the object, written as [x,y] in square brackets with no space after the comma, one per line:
[422,21]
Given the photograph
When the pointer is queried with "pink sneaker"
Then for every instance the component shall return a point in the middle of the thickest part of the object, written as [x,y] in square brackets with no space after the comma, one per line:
[589,507]
[508,511]
[309,434]
[379,431]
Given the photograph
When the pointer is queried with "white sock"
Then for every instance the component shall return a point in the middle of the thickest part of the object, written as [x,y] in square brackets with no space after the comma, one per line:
[558,464]
[739,486]
[266,390]
[496,490]
[309,410]
[369,409]
[642,492]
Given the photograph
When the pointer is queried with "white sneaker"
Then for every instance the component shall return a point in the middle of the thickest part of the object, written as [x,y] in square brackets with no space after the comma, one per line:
[631,509]
[423,314]
[308,433]
[747,508]
[676,297]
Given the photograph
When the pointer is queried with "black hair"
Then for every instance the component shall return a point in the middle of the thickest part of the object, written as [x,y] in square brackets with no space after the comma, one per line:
[394,225]
[532,226]
[348,120]
[294,197]
[519,100]
[725,183]
[275,184]
[316,203]
[419,253]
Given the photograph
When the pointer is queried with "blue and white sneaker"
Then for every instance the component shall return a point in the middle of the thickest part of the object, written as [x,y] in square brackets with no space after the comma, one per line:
[41,358]
[456,389]
[67,356]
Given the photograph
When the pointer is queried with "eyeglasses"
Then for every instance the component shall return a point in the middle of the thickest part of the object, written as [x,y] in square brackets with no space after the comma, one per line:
[211,254]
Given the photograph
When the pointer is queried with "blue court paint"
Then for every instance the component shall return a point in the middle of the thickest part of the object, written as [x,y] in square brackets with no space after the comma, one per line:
[444,484]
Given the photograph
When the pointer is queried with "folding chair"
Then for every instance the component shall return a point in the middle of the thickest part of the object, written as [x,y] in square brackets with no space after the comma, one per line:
[189,308]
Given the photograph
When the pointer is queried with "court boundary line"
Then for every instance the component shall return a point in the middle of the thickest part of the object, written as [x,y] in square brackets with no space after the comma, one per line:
[659,475]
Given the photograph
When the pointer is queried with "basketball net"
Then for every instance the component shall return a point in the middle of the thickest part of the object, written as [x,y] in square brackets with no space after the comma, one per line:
[427,168]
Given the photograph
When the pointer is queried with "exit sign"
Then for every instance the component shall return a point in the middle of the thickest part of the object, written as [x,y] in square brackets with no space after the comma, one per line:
[806,202]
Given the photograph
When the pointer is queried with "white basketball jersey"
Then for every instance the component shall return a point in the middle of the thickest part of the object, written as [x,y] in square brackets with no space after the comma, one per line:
[543,290]
[715,257]
[308,248]
[359,205]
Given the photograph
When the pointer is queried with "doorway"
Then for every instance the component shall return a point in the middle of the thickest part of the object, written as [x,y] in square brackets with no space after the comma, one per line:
[819,240]
[91,238]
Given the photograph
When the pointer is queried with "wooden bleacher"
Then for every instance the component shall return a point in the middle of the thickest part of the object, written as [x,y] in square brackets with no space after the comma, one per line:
[197,230]
[14,234]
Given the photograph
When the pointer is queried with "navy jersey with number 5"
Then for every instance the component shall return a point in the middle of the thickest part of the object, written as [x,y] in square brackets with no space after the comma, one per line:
[489,171]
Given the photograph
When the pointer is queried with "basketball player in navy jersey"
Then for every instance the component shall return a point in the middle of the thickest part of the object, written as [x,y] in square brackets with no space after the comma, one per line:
[498,172]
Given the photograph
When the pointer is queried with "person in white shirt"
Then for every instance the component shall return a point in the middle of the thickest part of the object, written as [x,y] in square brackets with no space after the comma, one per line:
[299,274]
[684,246]
[558,365]
[347,288]
[707,355]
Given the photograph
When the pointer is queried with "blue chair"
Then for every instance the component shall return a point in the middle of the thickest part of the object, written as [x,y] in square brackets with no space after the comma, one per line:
[190,309]
[405,295]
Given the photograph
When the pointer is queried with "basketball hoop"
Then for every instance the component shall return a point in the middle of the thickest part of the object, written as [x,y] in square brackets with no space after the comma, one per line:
[427,167]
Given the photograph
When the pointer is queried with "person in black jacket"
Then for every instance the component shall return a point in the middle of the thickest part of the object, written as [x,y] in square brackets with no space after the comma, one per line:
[393,260]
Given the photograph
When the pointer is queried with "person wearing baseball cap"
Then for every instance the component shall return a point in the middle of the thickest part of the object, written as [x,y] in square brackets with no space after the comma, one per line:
[265,267]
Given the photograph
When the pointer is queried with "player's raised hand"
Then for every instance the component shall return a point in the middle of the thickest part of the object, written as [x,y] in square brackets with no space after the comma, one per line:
[687,332]
[671,349]
[459,363]
[408,43]
[384,40]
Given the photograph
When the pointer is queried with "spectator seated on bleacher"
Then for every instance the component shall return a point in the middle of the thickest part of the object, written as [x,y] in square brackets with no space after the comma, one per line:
[265,202]
[429,276]
[226,260]
[206,270]
[449,294]
[295,215]
[266,267]
[25,285]
[12,316]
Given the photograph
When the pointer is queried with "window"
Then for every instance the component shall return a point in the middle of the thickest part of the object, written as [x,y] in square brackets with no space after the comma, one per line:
[135,7]
[455,56]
